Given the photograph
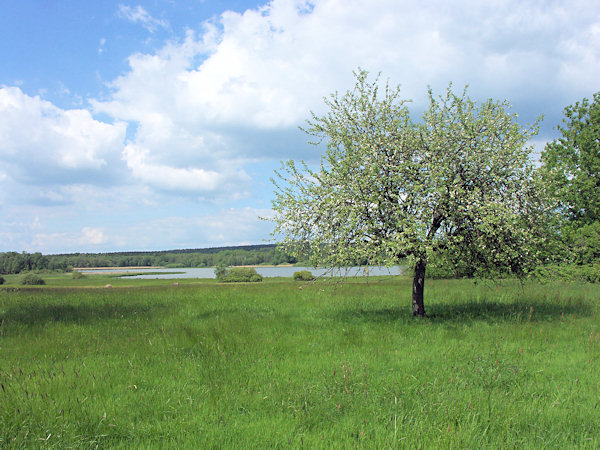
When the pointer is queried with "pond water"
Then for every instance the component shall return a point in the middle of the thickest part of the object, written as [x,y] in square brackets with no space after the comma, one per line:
[267,272]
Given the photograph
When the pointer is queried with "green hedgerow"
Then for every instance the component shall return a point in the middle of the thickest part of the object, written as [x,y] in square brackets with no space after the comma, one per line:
[589,273]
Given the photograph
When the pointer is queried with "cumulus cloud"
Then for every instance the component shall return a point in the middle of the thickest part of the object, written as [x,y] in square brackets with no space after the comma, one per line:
[140,15]
[92,236]
[47,144]
[166,177]
[264,69]
[233,91]
[88,238]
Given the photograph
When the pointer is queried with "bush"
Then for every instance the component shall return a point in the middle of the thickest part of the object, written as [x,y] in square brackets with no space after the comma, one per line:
[78,275]
[303,275]
[589,273]
[32,279]
[238,275]
[221,272]
[584,243]
[2,280]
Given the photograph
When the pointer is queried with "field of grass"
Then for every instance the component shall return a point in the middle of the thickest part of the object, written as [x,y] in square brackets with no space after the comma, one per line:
[281,363]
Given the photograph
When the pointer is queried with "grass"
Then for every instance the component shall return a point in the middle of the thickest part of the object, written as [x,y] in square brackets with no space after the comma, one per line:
[280,363]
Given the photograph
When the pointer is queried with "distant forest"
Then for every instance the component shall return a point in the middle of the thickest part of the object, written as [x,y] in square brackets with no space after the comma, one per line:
[14,262]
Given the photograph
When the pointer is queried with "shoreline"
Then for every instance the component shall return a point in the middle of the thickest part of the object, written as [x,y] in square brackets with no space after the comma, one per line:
[124,268]
[119,267]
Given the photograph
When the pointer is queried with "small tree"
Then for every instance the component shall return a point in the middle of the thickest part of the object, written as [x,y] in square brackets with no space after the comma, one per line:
[460,181]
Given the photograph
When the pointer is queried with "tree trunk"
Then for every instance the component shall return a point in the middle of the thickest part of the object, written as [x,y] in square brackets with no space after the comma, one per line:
[418,307]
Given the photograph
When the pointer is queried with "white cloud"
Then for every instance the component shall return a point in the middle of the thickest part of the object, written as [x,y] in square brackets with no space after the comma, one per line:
[235,90]
[48,143]
[36,223]
[140,15]
[88,238]
[266,68]
[230,226]
[166,177]
[93,236]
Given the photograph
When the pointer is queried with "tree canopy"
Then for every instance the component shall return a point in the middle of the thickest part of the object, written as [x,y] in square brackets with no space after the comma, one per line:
[460,180]
[571,166]
[572,162]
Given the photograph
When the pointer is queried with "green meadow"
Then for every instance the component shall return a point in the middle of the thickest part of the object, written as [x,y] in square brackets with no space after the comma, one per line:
[280,364]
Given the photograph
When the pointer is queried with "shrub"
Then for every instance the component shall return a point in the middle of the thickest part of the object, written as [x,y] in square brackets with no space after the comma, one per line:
[2,280]
[584,243]
[303,275]
[589,273]
[238,275]
[78,275]
[32,279]
[221,271]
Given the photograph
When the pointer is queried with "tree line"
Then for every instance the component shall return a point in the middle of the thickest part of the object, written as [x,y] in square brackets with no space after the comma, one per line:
[14,262]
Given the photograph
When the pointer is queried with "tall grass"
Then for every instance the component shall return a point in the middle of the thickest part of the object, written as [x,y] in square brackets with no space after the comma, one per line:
[322,365]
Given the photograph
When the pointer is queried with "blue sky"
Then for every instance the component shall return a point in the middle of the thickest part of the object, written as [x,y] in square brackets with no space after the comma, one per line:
[153,125]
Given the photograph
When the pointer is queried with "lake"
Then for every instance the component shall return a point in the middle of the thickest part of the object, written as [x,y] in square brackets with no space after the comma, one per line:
[267,272]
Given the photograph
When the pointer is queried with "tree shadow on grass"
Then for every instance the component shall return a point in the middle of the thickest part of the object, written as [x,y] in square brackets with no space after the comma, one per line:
[468,311]
[534,311]
[373,315]
[37,314]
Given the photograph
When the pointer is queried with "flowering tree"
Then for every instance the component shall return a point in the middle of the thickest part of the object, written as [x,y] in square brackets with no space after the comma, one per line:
[459,181]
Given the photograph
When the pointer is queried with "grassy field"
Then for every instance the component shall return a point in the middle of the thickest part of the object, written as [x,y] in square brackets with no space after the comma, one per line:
[280,363]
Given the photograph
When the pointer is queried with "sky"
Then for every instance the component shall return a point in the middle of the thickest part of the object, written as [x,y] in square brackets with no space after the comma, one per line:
[157,125]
